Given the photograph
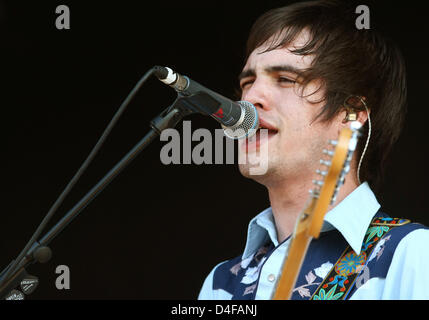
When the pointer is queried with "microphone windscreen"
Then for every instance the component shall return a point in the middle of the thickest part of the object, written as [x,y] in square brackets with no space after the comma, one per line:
[248,124]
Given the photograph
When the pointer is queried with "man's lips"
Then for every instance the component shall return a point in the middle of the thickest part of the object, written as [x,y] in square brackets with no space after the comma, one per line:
[255,141]
[264,124]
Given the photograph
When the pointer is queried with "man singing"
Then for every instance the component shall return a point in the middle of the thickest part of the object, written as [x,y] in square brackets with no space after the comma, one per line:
[310,71]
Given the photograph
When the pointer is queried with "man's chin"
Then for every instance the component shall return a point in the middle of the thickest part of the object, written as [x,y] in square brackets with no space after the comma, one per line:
[255,172]
[244,170]
[253,164]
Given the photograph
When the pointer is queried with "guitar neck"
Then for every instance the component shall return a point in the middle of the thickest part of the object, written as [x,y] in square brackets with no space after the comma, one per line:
[295,256]
[309,223]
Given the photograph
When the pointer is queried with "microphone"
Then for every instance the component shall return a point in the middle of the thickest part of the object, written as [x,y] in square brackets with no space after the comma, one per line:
[238,119]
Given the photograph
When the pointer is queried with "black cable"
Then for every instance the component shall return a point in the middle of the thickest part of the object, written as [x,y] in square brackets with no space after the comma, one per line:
[76,177]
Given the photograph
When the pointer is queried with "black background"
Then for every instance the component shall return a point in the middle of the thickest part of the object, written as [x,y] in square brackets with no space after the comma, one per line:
[157,230]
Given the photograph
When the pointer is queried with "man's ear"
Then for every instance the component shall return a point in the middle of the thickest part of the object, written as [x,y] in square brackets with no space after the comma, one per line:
[355,109]
[362,116]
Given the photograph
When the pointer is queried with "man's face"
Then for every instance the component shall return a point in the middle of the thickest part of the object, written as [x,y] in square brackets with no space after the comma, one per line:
[270,81]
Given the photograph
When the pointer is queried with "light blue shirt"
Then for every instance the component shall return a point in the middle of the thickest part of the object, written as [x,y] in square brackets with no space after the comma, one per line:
[408,275]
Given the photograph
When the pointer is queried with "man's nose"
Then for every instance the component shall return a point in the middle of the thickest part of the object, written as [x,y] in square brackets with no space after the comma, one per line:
[258,95]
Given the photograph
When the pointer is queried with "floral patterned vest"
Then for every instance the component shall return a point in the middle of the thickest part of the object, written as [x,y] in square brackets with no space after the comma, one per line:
[331,269]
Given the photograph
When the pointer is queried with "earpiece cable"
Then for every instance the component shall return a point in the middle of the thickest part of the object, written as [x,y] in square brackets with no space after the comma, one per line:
[367,140]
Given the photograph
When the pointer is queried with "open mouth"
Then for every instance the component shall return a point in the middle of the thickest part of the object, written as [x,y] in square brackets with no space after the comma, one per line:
[270,132]
[264,133]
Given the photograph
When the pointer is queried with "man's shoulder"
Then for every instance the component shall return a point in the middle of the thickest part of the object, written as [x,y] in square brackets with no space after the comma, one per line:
[400,259]
[411,237]
[397,230]
[238,276]
[218,284]
[404,238]
[225,271]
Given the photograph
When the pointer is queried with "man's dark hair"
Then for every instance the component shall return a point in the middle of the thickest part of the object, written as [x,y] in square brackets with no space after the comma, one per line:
[349,61]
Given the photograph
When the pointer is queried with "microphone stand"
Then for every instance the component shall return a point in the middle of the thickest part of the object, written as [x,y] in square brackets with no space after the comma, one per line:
[40,252]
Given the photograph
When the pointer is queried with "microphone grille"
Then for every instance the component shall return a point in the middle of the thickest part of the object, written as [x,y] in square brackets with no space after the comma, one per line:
[248,124]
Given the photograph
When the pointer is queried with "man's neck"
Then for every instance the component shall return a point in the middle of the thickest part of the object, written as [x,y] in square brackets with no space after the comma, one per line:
[289,199]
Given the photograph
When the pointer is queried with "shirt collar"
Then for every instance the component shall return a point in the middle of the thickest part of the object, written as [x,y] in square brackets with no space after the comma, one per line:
[351,217]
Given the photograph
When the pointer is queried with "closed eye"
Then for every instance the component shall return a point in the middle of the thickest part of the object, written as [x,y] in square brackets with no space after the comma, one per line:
[245,83]
[285,80]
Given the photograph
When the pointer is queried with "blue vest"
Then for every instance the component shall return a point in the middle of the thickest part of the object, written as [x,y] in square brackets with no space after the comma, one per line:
[329,247]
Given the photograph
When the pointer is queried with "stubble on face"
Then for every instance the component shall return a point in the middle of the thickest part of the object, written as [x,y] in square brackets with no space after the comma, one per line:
[294,150]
